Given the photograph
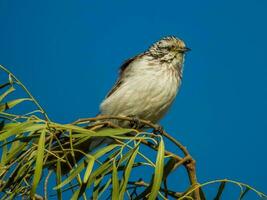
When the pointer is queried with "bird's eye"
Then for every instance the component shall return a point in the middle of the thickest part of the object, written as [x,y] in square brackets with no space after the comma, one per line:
[170,47]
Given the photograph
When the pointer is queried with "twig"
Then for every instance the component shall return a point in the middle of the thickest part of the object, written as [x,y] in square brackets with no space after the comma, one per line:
[187,161]
[38,197]
[167,153]
[144,184]
[46,184]
[145,122]
[26,90]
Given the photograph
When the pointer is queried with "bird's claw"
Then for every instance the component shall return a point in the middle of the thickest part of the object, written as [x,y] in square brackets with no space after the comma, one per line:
[158,129]
[135,122]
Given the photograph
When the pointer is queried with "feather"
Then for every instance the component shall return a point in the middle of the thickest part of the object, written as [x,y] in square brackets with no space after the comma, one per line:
[119,81]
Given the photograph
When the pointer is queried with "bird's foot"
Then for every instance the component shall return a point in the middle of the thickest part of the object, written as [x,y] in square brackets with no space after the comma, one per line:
[135,122]
[158,129]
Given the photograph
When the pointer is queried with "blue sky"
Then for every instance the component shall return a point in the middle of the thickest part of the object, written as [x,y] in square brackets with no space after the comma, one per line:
[68,53]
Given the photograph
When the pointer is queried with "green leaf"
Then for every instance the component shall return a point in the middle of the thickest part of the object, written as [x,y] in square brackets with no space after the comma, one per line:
[101,170]
[158,172]
[73,174]
[2,124]
[39,163]
[96,187]
[12,176]
[4,85]
[72,128]
[82,135]
[75,196]
[115,182]
[11,104]
[127,172]
[10,90]
[243,193]
[16,147]
[16,130]
[103,189]
[58,178]
[113,131]
[23,170]
[80,132]
[35,127]
[169,167]
[107,166]
[4,156]
[21,139]
[80,140]
[9,125]
[89,169]
[10,78]
[202,194]
[220,191]
[104,150]
[126,156]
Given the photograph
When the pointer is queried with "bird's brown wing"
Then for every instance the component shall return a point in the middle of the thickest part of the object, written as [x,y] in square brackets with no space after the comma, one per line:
[119,81]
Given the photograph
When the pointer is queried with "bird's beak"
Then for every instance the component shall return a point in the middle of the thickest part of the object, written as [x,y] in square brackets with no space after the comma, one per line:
[184,50]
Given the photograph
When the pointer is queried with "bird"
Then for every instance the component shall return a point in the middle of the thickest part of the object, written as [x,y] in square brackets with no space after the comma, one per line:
[148,83]
[145,89]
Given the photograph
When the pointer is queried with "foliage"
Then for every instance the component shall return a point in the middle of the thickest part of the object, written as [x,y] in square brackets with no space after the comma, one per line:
[34,148]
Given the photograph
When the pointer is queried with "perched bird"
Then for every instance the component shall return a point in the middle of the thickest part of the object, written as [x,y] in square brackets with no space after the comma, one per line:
[148,82]
[147,85]
[145,89]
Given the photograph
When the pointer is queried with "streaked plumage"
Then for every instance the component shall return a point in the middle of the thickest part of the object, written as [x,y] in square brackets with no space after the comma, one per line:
[146,87]
[148,83]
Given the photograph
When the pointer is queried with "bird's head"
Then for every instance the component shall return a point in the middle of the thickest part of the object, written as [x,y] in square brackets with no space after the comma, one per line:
[168,47]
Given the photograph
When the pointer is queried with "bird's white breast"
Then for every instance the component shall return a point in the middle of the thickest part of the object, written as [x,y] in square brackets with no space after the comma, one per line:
[146,92]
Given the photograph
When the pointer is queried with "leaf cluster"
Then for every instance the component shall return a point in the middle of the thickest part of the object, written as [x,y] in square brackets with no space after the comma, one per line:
[34,149]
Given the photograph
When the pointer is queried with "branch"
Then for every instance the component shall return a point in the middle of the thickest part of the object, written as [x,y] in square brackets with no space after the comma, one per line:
[144,184]
[188,162]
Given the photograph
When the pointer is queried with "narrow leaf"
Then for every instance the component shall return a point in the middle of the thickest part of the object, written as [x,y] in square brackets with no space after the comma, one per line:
[4,85]
[103,188]
[16,148]
[10,90]
[169,167]
[104,150]
[242,195]
[101,170]
[73,174]
[9,125]
[220,191]
[39,163]
[89,169]
[16,130]
[2,125]
[127,172]
[158,172]
[202,194]
[4,156]
[113,131]
[72,128]
[115,182]
[11,104]
[75,196]
[96,187]
[58,178]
